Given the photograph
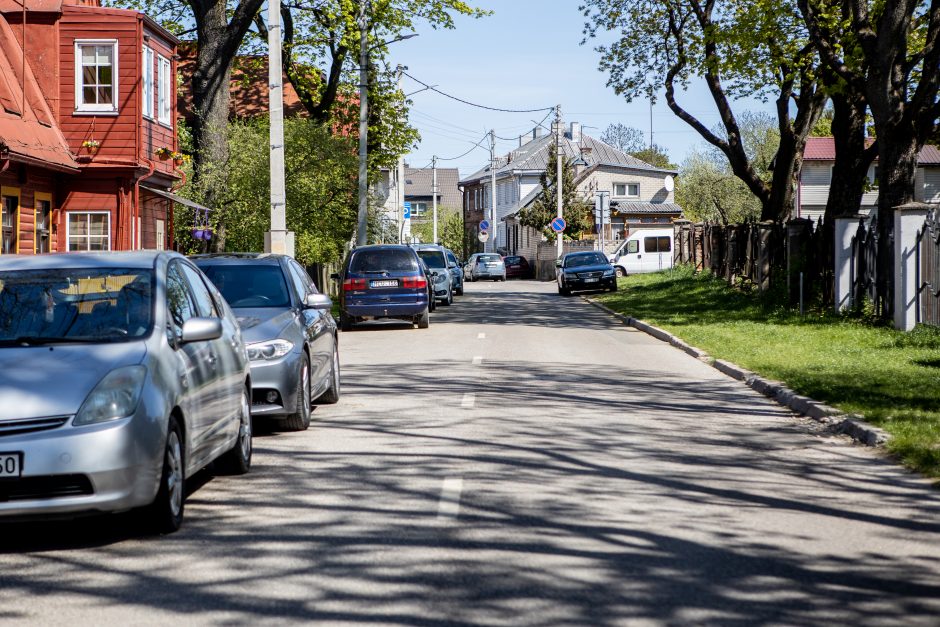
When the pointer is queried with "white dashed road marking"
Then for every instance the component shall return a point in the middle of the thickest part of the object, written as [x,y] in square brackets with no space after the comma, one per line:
[449,505]
[481,336]
[468,400]
[477,360]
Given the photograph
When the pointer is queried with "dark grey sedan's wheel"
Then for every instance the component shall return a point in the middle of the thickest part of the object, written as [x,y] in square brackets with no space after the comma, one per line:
[165,514]
[237,461]
[331,395]
[300,419]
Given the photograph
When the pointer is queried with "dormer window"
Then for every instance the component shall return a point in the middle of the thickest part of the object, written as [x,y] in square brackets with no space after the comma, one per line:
[96,84]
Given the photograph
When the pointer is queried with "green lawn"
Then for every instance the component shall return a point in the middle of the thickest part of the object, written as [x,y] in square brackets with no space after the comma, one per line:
[889,377]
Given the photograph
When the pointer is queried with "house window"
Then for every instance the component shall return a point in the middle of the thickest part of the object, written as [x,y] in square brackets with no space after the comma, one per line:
[43,219]
[10,198]
[96,71]
[146,93]
[419,208]
[628,190]
[89,231]
[164,87]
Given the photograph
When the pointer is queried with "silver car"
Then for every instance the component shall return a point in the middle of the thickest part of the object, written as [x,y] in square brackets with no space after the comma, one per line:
[121,375]
[291,335]
[485,266]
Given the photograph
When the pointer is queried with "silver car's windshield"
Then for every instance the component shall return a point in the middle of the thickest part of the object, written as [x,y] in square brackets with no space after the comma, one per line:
[75,305]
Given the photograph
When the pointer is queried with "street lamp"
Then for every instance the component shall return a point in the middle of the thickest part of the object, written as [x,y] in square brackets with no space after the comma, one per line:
[362,234]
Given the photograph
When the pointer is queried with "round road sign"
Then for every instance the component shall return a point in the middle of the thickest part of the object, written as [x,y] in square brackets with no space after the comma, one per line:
[558,225]
[484,225]
[483,236]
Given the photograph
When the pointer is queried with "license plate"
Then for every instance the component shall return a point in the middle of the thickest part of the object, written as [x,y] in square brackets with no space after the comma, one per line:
[391,283]
[11,465]
[591,280]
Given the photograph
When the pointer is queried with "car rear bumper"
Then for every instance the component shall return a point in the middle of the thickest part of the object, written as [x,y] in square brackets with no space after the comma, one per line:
[99,468]
[387,309]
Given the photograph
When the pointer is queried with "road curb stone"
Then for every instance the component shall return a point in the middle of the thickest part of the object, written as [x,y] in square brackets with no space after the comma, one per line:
[836,421]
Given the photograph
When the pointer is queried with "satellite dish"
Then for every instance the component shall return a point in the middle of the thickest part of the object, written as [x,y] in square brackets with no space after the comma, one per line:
[669,184]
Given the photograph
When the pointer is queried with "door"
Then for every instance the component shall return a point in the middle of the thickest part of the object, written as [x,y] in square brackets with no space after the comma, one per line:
[224,393]
[316,327]
[631,258]
[193,367]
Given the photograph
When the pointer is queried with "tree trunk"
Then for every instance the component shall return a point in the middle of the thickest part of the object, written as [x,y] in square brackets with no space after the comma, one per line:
[850,171]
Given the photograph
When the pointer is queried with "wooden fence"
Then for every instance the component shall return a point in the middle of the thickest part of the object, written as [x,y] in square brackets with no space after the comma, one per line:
[767,255]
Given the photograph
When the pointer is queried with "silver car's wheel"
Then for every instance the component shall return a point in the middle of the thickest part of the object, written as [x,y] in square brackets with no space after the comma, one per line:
[237,461]
[332,393]
[165,514]
[300,419]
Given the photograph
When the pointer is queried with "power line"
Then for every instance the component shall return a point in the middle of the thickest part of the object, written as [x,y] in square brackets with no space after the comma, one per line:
[512,139]
[474,147]
[473,104]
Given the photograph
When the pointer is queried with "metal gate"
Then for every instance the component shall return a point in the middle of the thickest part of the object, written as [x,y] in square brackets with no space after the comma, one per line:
[928,270]
[865,260]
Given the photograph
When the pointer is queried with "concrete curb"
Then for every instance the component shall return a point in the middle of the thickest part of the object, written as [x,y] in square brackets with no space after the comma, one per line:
[836,421]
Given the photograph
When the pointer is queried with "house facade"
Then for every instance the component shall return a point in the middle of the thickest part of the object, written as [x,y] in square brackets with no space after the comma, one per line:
[87,128]
[641,195]
[419,191]
[816,177]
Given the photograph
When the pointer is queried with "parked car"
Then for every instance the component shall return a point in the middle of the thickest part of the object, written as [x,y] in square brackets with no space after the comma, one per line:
[589,270]
[441,277]
[456,271]
[645,250]
[486,266]
[517,267]
[121,375]
[289,329]
[384,281]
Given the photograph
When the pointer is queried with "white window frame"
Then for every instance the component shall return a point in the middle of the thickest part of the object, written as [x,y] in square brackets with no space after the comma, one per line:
[164,92]
[146,91]
[96,109]
[626,193]
[68,229]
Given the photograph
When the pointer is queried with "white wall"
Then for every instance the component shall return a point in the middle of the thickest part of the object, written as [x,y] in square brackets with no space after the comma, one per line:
[652,184]
[815,179]
[931,187]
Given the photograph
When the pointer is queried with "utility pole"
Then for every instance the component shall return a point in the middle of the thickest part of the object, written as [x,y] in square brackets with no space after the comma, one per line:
[362,232]
[278,239]
[558,174]
[434,192]
[492,188]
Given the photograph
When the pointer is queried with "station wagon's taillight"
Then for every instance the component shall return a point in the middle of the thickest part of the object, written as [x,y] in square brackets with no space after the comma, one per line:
[354,284]
[414,282]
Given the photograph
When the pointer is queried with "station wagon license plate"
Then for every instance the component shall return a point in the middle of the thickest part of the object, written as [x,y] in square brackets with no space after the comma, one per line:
[10,465]
[386,283]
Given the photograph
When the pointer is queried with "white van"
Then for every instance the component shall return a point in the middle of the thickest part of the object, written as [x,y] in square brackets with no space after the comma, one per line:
[645,250]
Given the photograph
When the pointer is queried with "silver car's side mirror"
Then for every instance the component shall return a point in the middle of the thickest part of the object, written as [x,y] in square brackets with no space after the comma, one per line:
[201,330]
[318,301]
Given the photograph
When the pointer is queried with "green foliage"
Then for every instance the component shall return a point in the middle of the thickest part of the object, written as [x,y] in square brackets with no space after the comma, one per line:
[450,231]
[889,377]
[539,214]
[320,185]
[655,155]
[707,191]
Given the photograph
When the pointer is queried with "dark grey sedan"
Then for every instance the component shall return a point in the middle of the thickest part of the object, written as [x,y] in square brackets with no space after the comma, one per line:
[290,332]
[121,375]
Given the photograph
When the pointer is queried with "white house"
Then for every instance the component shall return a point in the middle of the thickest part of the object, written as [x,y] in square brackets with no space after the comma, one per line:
[816,176]
[641,194]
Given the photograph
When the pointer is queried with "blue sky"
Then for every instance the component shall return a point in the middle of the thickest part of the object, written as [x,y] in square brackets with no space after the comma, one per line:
[526,55]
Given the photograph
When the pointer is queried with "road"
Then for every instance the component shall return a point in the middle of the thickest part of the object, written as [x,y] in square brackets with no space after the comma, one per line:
[526,460]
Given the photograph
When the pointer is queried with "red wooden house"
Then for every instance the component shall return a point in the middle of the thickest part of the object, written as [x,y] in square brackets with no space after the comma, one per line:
[87,127]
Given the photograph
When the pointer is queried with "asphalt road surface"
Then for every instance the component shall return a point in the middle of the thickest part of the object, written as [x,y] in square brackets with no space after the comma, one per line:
[526,460]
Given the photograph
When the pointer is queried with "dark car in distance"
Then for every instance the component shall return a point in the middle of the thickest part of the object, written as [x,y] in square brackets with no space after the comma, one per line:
[383,281]
[517,267]
[589,270]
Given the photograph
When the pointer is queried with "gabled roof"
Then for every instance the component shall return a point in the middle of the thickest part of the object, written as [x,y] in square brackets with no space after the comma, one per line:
[824,149]
[533,157]
[418,182]
[28,131]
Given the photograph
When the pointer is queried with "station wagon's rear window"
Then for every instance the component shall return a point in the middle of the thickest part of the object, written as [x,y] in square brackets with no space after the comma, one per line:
[385,260]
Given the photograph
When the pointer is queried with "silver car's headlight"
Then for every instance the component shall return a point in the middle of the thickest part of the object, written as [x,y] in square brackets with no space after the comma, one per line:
[116,396]
[266,351]
[441,278]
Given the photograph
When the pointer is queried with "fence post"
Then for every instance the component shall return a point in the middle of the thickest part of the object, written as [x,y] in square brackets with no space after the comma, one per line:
[843,262]
[765,231]
[908,220]
[798,232]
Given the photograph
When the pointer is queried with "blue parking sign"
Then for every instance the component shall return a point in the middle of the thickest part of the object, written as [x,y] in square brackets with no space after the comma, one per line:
[407,210]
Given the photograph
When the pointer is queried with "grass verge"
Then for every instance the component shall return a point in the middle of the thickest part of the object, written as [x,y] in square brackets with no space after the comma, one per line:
[890,377]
